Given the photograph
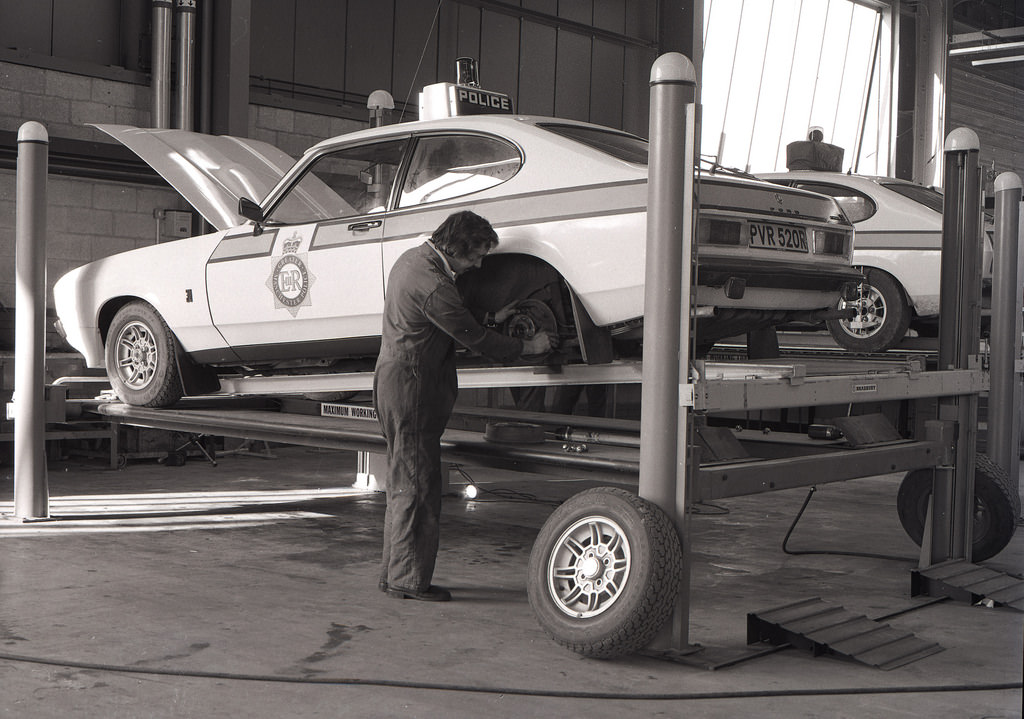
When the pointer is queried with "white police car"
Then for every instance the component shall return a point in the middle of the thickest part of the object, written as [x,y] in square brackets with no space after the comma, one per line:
[293,278]
[899,249]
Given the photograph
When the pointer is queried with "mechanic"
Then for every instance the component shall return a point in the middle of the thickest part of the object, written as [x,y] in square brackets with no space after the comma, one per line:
[415,385]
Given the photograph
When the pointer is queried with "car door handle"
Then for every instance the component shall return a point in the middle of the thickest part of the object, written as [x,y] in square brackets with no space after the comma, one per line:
[364,226]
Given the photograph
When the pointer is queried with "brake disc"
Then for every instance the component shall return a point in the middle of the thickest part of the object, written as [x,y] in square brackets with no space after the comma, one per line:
[529,318]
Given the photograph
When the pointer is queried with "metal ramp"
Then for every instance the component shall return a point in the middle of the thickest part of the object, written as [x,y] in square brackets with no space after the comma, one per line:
[824,628]
[966,582]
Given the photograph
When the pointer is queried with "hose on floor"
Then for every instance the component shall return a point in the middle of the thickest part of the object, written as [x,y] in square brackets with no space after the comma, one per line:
[516,691]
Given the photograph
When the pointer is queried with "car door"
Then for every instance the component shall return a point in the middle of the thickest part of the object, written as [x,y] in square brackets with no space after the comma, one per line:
[308,281]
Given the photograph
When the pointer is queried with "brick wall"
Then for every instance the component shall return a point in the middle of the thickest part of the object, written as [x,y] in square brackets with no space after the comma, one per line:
[89,219]
[85,220]
[294,131]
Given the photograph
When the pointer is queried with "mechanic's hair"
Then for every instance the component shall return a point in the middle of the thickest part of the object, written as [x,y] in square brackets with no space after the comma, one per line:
[463,233]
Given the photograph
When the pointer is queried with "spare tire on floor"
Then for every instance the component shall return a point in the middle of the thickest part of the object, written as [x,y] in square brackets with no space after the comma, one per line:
[605,572]
[996,507]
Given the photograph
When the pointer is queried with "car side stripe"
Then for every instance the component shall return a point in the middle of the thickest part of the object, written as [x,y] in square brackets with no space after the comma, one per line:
[588,202]
[533,221]
[239,247]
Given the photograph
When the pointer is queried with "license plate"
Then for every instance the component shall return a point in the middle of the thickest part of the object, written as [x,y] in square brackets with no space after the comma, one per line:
[778,237]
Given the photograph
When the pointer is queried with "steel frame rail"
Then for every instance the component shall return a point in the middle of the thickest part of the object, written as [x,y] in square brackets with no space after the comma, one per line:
[718,386]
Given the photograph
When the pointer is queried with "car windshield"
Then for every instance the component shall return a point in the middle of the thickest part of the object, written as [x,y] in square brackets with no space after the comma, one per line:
[932,199]
[617,144]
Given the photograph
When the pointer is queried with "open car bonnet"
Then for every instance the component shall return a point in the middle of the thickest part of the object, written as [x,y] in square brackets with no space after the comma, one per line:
[210,171]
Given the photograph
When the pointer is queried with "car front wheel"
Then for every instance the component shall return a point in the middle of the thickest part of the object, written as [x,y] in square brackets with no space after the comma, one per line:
[882,315]
[141,363]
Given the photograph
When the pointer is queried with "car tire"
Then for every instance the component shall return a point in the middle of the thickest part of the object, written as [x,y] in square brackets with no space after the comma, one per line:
[996,507]
[605,572]
[140,357]
[883,315]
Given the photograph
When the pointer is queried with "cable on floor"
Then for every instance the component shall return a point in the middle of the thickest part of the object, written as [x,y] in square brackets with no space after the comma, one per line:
[514,691]
[502,494]
[834,552]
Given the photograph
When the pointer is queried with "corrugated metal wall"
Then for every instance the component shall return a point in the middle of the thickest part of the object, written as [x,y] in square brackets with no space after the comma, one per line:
[66,28]
[584,59]
[993,110]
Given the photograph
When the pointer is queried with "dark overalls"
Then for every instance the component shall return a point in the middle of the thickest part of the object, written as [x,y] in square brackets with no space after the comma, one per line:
[415,385]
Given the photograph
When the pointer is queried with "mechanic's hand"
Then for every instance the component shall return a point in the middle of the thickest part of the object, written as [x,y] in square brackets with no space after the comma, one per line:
[539,344]
[505,312]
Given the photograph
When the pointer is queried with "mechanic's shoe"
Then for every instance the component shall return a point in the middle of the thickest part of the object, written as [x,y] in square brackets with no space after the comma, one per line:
[430,594]
[382,585]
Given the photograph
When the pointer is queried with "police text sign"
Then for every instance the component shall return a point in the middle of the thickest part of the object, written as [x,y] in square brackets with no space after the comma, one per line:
[474,101]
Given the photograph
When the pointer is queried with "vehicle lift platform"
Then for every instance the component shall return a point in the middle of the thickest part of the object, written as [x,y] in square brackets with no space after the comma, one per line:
[734,462]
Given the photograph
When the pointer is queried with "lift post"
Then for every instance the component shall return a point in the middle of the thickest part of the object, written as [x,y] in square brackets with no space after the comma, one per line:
[952,501]
[664,418]
[31,494]
[1005,362]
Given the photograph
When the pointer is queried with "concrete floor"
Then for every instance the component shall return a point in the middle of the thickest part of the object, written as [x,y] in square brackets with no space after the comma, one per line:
[249,590]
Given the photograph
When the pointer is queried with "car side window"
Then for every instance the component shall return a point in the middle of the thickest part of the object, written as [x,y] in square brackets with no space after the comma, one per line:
[351,181]
[856,205]
[446,166]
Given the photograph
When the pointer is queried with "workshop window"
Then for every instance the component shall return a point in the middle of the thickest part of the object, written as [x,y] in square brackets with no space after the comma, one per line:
[453,165]
[352,181]
[771,70]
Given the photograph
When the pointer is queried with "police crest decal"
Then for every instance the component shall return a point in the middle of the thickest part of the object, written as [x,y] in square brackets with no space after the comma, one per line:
[290,278]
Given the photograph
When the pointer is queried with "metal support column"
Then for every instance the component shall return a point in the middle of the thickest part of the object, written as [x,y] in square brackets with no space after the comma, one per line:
[929,98]
[185,11]
[959,344]
[161,71]
[229,71]
[31,494]
[664,407]
[1004,397]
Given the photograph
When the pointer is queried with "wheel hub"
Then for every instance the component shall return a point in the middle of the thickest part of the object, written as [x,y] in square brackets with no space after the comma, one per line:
[590,568]
[870,307]
[140,354]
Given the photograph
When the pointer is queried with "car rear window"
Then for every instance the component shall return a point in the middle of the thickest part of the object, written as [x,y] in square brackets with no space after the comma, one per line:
[932,199]
[612,142]
[446,166]
[856,205]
